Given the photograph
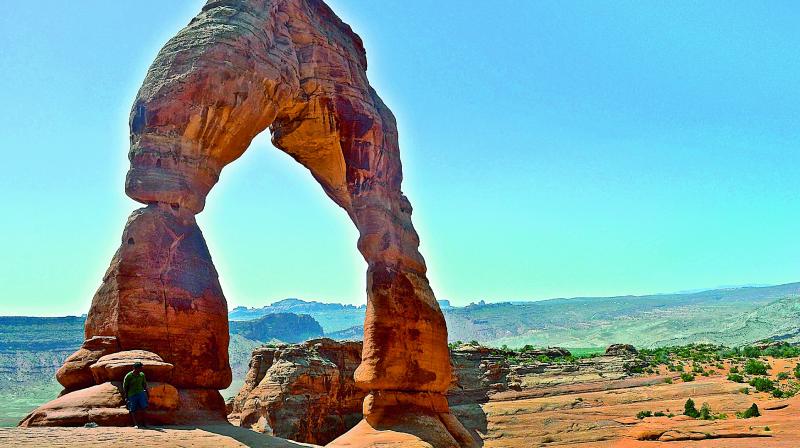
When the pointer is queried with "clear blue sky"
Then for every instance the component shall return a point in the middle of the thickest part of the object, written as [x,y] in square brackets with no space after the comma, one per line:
[550,149]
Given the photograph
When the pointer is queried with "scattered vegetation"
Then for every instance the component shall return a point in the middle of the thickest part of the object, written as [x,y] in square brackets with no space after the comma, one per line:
[755,367]
[686,377]
[762,384]
[750,412]
[644,414]
[735,377]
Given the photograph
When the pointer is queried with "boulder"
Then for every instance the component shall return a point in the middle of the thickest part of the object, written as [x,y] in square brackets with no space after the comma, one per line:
[115,366]
[76,373]
[621,350]
[103,405]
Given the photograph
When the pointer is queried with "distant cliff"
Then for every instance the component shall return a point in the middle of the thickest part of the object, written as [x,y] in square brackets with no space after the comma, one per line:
[332,316]
[285,327]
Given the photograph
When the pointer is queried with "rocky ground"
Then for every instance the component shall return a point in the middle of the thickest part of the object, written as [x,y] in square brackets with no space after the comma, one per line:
[504,398]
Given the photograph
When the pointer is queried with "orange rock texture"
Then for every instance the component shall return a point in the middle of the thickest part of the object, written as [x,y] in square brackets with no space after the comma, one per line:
[238,68]
[302,392]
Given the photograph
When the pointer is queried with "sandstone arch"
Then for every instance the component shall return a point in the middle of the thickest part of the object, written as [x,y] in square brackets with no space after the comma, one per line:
[238,68]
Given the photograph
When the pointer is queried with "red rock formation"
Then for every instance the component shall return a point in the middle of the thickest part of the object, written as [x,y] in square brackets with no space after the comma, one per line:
[301,392]
[293,66]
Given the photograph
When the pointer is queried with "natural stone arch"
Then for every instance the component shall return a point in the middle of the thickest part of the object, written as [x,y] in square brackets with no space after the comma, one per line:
[240,67]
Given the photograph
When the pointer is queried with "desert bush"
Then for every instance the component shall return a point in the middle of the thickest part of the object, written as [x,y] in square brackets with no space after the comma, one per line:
[783,376]
[751,352]
[755,367]
[686,377]
[762,384]
[750,412]
[705,412]
[642,414]
[782,351]
[690,410]
[659,414]
[735,377]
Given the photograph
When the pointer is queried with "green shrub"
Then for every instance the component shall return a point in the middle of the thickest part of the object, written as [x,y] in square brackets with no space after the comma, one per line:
[755,367]
[750,412]
[734,369]
[782,351]
[686,377]
[668,380]
[797,371]
[762,384]
[659,414]
[751,352]
[705,412]
[783,376]
[690,410]
[643,414]
[735,377]
[745,390]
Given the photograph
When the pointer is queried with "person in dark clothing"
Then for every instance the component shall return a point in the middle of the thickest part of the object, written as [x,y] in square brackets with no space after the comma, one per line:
[134,388]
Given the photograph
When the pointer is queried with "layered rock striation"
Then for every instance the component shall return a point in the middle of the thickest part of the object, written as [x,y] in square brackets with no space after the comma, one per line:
[306,392]
[238,68]
[302,392]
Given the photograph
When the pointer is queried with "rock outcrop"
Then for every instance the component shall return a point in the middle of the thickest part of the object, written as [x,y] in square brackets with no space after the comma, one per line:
[301,392]
[621,350]
[306,392]
[238,68]
[286,327]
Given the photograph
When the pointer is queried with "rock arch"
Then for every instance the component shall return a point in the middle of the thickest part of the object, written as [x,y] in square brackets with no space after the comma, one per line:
[238,68]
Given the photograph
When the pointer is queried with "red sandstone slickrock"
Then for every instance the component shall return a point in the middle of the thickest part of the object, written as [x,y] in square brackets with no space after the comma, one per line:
[238,68]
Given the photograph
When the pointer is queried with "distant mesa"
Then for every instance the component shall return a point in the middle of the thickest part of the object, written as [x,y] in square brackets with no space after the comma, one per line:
[286,327]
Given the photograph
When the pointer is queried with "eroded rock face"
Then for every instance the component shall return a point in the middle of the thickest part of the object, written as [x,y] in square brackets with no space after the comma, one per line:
[301,392]
[238,68]
[161,294]
[621,350]
[103,404]
[76,372]
[306,392]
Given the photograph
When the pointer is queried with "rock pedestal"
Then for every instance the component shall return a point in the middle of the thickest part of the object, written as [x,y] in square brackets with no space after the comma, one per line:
[238,68]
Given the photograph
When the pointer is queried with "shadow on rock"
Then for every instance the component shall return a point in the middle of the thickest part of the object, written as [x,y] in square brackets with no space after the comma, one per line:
[472,416]
[247,437]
